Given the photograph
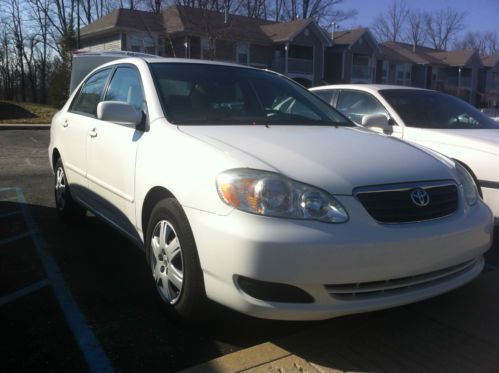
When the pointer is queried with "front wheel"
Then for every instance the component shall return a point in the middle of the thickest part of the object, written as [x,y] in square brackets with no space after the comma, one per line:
[172,256]
[67,208]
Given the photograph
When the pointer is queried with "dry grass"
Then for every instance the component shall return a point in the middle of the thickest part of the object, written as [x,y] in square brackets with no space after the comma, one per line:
[25,113]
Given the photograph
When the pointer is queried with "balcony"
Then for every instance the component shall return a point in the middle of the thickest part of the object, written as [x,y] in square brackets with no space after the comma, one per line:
[454,81]
[295,65]
[361,73]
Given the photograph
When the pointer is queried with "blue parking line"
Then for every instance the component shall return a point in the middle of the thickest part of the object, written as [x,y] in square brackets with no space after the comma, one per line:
[24,291]
[16,237]
[491,267]
[93,353]
[9,199]
[9,214]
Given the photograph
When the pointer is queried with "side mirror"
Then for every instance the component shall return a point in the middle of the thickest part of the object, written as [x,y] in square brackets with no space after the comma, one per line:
[119,112]
[376,121]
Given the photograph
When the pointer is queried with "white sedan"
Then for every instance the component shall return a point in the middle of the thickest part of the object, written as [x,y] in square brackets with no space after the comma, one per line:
[433,119]
[277,212]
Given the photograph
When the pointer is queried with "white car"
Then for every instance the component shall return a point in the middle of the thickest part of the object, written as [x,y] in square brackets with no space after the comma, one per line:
[281,215]
[429,118]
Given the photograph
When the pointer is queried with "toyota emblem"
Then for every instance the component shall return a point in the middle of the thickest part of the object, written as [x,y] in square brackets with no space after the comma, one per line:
[420,197]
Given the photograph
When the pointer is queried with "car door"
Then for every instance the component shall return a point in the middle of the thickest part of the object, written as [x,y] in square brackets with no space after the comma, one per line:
[111,153]
[76,123]
[356,104]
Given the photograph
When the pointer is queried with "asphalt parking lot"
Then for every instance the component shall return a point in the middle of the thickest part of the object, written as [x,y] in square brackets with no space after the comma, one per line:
[80,298]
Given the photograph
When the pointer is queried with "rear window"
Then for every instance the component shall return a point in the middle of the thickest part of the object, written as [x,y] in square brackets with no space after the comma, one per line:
[215,94]
[429,109]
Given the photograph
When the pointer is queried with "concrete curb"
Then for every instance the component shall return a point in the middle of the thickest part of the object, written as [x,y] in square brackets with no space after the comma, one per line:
[242,360]
[24,126]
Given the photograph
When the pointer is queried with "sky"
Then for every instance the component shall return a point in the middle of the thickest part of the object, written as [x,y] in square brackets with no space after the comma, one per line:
[481,15]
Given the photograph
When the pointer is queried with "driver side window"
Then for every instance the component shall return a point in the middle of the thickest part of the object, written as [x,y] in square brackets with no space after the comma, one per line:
[126,87]
[90,94]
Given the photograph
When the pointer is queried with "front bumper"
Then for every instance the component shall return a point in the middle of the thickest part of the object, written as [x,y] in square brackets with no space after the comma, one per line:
[310,255]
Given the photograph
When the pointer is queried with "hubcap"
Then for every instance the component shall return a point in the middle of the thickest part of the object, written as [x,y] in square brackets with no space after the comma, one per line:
[167,262]
[60,189]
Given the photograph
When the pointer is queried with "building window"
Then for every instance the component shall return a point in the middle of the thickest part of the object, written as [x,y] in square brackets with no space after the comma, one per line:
[141,43]
[403,74]
[384,72]
[207,49]
[242,53]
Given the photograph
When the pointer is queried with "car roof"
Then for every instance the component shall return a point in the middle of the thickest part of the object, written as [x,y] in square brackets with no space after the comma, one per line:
[366,87]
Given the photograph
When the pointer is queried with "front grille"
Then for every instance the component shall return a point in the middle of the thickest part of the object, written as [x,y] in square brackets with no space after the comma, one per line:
[378,288]
[394,205]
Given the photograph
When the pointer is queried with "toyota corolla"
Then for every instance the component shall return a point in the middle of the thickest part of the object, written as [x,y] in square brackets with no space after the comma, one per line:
[245,189]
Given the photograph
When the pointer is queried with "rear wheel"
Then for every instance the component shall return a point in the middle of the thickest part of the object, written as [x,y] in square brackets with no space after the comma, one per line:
[172,256]
[67,208]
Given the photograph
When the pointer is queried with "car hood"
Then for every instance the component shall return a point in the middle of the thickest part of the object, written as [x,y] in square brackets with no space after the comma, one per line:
[485,140]
[336,159]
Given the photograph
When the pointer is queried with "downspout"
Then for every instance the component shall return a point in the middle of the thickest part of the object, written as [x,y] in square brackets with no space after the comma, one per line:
[459,82]
[286,52]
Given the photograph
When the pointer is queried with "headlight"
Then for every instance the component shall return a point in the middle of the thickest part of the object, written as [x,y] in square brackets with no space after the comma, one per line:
[468,185]
[271,194]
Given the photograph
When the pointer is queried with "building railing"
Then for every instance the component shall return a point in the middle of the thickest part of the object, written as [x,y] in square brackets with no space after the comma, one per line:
[300,66]
[465,81]
[361,72]
[295,65]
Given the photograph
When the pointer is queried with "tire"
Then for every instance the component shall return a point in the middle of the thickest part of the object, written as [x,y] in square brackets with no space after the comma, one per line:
[68,209]
[173,259]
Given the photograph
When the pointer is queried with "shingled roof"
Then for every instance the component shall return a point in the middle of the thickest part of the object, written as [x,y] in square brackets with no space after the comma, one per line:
[417,55]
[124,19]
[455,58]
[420,55]
[348,37]
[179,19]
[490,61]
[200,22]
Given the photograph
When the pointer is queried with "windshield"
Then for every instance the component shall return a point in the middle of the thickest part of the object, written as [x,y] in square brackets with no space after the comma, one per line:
[214,94]
[427,109]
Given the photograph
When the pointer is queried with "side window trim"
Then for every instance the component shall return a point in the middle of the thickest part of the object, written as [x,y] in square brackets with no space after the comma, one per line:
[70,109]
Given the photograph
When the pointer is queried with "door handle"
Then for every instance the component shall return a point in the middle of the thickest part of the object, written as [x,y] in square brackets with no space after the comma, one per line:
[93,132]
[65,123]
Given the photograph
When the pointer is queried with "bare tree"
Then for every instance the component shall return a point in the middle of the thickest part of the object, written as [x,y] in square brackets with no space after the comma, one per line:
[388,26]
[416,30]
[484,42]
[491,43]
[443,26]
[7,80]
[16,30]
[323,12]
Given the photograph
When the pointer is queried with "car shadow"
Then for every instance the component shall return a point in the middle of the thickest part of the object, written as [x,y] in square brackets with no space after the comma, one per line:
[110,281]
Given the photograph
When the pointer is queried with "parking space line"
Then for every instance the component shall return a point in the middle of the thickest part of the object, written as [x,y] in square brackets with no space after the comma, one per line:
[9,214]
[16,237]
[491,266]
[24,291]
[93,353]
[8,199]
